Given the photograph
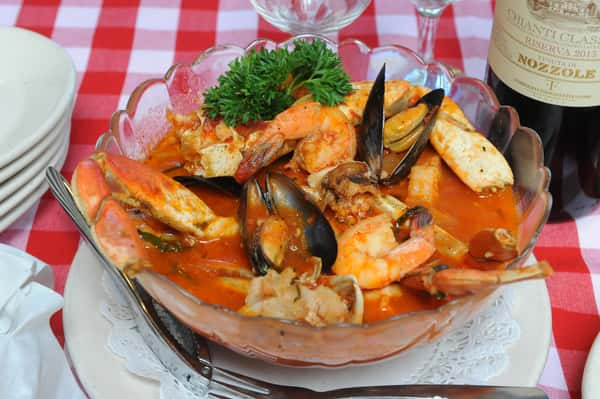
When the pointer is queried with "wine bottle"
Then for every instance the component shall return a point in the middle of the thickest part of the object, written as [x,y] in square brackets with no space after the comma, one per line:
[544,60]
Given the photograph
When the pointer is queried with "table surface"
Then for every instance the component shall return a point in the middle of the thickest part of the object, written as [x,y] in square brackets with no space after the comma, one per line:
[116,44]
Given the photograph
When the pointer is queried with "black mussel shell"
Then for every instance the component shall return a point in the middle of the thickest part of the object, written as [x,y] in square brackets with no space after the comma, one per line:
[252,201]
[370,132]
[289,201]
[224,184]
[283,199]
[433,99]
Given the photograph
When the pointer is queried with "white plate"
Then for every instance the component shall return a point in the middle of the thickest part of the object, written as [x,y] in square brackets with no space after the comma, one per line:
[590,387]
[27,196]
[24,194]
[33,153]
[37,85]
[25,176]
[86,332]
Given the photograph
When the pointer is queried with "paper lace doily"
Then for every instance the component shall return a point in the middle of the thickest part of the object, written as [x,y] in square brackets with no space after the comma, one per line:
[471,354]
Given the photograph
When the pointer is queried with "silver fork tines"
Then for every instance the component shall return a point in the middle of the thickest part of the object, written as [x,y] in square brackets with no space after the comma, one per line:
[238,381]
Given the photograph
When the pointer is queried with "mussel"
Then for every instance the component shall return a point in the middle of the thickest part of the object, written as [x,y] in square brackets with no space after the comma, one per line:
[224,184]
[415,125]
[280,225]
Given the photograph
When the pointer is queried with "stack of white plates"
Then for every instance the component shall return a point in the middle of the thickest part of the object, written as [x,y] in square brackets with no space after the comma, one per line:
[37,86]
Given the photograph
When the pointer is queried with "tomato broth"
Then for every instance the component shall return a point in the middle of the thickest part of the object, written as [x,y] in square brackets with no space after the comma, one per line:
[457,209]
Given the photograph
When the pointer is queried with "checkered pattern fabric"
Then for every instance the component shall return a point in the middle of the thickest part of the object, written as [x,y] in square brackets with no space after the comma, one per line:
[116,44]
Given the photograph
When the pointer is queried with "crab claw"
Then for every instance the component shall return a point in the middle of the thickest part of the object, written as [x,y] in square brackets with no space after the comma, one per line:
[140,186]
[104,182]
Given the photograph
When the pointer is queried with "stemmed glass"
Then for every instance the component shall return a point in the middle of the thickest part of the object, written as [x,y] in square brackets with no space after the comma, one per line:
[310,16]
[428,18]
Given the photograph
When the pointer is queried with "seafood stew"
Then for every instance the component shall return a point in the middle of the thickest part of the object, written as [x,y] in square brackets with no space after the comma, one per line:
[330,235]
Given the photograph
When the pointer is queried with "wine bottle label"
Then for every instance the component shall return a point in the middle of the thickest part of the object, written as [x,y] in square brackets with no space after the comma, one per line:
[548,50]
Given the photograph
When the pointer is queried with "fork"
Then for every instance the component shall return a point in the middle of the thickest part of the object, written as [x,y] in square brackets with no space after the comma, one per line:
[249,388]
[186,356]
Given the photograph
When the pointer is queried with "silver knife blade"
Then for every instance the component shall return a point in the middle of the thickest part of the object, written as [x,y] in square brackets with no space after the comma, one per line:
[437,392]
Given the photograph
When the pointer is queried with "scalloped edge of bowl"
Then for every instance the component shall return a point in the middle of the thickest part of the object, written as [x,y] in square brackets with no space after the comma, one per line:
[109,141]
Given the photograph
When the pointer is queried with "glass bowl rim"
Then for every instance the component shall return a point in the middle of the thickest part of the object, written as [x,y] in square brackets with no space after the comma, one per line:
[449,74]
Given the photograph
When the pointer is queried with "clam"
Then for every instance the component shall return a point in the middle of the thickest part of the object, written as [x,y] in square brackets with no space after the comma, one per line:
[346,286]
[285,294]
[407,130]
[280,227]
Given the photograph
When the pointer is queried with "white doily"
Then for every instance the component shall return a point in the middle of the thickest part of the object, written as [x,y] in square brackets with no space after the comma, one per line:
[125,341]
[470,355]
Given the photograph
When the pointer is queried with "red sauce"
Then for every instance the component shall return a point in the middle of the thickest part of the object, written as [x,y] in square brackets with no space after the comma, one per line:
[458,210]
[408,301]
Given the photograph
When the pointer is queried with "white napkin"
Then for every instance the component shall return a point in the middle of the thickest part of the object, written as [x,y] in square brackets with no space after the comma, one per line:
[33,365]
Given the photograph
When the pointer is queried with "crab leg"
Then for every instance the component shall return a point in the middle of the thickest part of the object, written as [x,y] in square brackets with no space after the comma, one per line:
[89,188]
[111,227]
[118,237]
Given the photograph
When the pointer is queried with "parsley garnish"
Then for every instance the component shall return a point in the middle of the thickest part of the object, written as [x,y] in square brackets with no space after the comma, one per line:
[262,83]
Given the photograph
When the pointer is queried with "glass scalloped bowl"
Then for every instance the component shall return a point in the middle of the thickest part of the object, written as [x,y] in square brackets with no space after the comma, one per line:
[137,129]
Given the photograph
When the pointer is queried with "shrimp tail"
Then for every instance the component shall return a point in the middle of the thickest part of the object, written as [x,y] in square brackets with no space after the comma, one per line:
[420,218]
[420,221]
[256,158]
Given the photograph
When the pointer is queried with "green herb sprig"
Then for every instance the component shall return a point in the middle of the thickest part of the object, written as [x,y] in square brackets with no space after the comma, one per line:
[262,83]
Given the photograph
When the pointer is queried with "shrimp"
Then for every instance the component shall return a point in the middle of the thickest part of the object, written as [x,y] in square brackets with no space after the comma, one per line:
[327,136]
[442,280]
[371,251]
[326,139]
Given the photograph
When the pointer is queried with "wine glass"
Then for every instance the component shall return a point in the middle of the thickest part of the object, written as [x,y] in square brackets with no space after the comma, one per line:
[428,18]
[310,16]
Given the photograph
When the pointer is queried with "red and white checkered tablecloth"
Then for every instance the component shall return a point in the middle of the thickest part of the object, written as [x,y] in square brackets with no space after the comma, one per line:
[116,44]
